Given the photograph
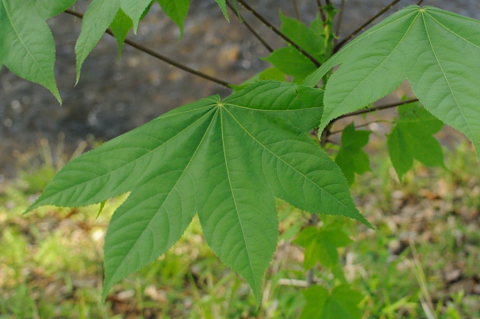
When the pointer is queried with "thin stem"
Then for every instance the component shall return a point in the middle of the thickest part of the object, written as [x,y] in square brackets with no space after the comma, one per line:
[419,2]
[362,125]
[314,219]
[249,27]
[159,56]
[340,18]
[375,108]
[295,6]
[320,9]
[341,43]
[278,32]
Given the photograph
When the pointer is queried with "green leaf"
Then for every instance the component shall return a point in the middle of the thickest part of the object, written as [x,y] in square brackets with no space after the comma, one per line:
[223,7]
[436,50]
[120,27]
[99,15]
[135,9]
[411,137]
[225,160]
[350,158]
[267,74]
[50,8]
[290,61]
[26,44]
[177,11]
[304,37]
[342,302]
[321,245]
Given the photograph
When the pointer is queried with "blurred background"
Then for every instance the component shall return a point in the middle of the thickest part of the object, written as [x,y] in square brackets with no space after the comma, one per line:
[425,252]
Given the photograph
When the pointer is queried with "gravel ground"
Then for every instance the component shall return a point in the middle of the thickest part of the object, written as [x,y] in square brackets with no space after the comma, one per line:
[114,96]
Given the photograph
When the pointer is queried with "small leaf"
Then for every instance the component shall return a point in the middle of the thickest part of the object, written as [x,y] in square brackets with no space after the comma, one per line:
[99,15]
[304,37]
[436,50]
[223,7]
[26,44]
[225,160]
[321,245]
[350,158]
[50,8]
[177,11]
[120,27]
[341,302]
[411,137]
[135,9]
[290,61]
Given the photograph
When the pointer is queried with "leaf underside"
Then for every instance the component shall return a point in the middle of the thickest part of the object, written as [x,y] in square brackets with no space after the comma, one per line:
[436,50]
[225,160]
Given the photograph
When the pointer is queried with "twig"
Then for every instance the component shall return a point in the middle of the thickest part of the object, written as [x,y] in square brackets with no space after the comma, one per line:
[249,27]
[375,108]
[341,43]
[340,18]
[295,6]
[278,32]
[320,9]
[362,125]
[159,56]
[419,2]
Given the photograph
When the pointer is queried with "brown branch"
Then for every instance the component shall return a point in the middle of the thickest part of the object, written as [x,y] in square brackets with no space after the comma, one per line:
[320,9]
[375,108]
[249,27]
[419,2]
[340,18]
[362,125]
[278,32]
[295,6]
[159,56]
[342,43]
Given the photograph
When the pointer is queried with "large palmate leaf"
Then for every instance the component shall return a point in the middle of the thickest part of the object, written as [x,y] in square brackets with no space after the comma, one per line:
[225,160]
[26,44]
[411,137]
[436,50]
[99,15]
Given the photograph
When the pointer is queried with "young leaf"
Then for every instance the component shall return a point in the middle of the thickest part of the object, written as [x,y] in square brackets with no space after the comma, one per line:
[120,27]
[224,160]
[350,158]
[321,245]
[177,11]
[305,37]
[99,15]
[50,8]
[436,50]
[26,44]
[135,9]
[342,302]
[290,61]
[411,137]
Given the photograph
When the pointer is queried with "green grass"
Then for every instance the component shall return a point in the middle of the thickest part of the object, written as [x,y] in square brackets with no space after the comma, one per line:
[423,257]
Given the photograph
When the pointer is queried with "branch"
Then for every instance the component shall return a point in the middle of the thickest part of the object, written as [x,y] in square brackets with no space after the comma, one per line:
[340,18]
[320,9]
[375,108]
[341,43]
[419,2]
[295,6]
[359,126]
[278,32]
[249,27]
[159,56]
